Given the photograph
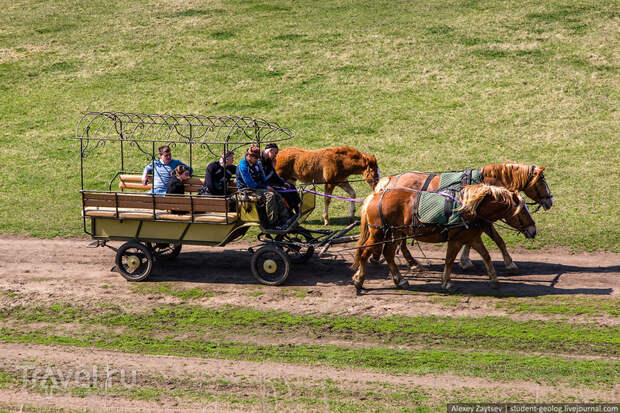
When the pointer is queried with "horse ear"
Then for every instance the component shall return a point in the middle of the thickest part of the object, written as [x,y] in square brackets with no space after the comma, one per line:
[516,196]
[539,169]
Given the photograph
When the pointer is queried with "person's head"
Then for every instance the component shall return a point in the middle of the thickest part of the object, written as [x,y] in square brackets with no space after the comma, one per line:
[165,154]
[271,151]
[227,158]
[253,154]
[181,172]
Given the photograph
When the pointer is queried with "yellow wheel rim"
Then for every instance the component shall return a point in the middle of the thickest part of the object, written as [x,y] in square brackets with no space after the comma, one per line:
[270,266]
[133,263]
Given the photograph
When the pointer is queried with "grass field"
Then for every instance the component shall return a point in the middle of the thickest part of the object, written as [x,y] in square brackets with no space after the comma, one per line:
[433,86]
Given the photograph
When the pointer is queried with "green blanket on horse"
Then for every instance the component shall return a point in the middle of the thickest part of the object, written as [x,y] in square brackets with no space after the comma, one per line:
[457,180]
[435,208]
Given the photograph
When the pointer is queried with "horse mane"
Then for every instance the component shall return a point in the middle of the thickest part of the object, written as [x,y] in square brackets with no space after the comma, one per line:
[515,176]
[472,196]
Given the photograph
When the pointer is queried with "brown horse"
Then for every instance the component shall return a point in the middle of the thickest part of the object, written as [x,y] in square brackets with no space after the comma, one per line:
[331,166]
[390,215]
[515,177]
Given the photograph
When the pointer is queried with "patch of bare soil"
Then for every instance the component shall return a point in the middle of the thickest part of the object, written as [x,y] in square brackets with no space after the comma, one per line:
[34,270]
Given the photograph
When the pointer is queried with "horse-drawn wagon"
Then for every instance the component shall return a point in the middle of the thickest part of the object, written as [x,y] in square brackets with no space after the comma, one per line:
[118,206]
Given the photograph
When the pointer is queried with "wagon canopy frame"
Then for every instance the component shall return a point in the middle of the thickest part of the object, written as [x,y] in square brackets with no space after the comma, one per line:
[146,132]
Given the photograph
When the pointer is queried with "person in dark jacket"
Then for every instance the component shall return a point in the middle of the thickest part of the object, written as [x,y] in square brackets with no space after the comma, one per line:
[218,174]
[176,185]
[268,161]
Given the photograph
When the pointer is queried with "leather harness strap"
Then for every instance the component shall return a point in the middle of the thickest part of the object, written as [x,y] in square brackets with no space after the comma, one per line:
[427,182]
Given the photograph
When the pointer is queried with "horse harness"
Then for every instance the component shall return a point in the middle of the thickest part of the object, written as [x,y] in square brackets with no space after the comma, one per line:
[416,224]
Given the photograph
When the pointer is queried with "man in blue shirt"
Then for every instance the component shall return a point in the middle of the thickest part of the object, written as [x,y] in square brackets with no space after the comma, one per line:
[162,170]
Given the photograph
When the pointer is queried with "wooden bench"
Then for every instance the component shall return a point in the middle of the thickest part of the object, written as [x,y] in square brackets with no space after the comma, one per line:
[211,209]
[192,185]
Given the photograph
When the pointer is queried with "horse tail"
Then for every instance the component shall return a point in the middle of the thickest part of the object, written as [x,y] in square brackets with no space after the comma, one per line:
[364,232]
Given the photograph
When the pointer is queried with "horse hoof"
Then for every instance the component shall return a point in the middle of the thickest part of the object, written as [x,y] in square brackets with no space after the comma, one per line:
[494,284]
[512,268]
[403,284]
[449,288]
[466,265]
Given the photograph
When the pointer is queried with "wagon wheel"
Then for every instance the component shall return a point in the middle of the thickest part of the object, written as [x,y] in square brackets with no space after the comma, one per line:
[134,261]
[270,265]
[163,251]
[297,253]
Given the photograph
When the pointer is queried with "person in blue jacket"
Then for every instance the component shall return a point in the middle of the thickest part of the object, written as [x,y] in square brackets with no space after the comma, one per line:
[162,170]
[250,175]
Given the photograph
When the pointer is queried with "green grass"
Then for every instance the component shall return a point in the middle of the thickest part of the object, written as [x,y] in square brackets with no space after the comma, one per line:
[561,305]
[483,333]
[499,366]
[433,86]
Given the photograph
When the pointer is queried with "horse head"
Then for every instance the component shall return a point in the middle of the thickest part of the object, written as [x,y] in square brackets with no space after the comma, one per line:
[491,203]
[371,174]
[521,219]
[537,188]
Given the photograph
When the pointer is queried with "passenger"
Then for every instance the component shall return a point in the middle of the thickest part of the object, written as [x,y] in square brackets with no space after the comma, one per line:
[218,174]
[162,170]
[268,161]
[250,175]
[176,185]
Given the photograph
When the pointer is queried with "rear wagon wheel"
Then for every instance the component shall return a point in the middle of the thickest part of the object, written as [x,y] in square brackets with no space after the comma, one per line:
[134,261]
[270,265]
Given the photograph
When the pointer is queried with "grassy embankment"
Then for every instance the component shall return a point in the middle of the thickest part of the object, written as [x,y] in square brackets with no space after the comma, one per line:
[426,86]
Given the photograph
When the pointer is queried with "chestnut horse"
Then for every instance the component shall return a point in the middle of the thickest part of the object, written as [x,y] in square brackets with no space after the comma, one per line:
[515,177]
[331,166]
[390,215]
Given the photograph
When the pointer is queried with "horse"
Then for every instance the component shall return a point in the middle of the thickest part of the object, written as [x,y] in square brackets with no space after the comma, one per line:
[331,166]
[393,215]
[513,176]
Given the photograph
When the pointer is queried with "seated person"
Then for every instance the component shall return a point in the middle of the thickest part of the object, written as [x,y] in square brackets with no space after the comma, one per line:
[162,170]
[250,175]
[268,161]
[176,185]
[218,174]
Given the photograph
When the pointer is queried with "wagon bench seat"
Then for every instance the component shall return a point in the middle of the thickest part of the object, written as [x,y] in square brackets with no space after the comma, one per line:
[132,213]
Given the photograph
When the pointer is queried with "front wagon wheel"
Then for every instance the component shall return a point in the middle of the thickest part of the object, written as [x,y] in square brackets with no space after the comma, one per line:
[134,261]
[270,265]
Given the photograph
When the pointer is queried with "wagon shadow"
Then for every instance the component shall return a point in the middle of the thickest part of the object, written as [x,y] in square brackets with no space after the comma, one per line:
[233,267]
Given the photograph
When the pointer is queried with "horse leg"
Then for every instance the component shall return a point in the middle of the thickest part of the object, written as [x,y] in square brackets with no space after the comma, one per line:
[360,274]
[329,188]
[511,267]
[451,253]
[413,263]
[389,251]
[465,262]
[349,190]
[478,245]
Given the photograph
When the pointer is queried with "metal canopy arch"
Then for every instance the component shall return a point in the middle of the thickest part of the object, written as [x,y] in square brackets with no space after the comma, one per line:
[145,131]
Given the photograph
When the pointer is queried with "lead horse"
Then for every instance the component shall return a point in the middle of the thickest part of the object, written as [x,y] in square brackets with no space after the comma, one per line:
[331,166]
[513,176]
[392,215]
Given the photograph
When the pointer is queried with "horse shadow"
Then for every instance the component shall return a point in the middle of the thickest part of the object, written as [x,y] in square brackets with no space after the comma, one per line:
[233,267]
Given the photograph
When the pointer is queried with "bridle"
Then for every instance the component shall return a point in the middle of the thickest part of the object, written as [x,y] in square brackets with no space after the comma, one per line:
[539,196]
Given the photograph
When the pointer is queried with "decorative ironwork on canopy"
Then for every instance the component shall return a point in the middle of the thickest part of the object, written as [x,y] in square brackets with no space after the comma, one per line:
[95,128]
